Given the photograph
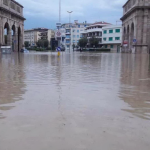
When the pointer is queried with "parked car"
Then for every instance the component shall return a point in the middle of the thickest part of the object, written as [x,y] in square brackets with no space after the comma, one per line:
[24,51]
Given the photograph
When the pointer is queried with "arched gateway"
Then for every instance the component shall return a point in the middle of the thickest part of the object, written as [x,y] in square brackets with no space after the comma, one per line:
[136,25]
[11,24]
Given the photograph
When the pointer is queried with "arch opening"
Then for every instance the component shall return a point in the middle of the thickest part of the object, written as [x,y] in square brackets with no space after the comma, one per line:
[19,39]
[6,34]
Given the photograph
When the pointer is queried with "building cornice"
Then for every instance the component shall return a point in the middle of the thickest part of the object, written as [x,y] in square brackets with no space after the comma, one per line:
[133,9]
[19,16]
[17,3]
[126,3]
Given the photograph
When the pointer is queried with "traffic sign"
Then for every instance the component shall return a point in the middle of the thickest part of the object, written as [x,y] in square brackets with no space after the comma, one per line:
[134,40]
[58,49]
[125,43]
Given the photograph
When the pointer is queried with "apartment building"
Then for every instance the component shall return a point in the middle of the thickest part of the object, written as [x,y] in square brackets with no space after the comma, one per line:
[94,30]
[71,33]
[33,35]
[112,37]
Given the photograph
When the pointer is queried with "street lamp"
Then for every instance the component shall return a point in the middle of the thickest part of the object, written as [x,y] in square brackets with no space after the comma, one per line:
[70,12]
[70,16]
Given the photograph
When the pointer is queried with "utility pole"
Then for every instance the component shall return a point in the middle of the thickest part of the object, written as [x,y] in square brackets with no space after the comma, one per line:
[70,12]
[59,10]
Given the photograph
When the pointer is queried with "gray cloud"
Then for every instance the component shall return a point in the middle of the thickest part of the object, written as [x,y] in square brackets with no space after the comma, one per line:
[89,10]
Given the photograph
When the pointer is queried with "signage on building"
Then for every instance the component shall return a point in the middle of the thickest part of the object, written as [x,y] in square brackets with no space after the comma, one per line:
[58,35]
[125,43]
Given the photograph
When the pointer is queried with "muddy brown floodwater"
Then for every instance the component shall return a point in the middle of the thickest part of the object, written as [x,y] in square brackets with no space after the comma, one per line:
[87,101]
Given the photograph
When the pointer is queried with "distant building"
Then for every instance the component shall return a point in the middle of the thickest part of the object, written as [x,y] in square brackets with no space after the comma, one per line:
[70,33]
[112,37]
[33,35]
[94,30]
[136,26]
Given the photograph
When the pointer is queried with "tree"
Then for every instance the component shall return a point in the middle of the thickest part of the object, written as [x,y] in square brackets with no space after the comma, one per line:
[73,46]
[83,42]
[94,42]
[46,43]
[42,43]
[26,43]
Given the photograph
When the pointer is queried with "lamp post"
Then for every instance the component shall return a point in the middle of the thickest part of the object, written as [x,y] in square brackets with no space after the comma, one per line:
[70,12]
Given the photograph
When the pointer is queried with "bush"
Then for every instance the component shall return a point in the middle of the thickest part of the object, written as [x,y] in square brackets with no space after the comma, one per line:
[97,49]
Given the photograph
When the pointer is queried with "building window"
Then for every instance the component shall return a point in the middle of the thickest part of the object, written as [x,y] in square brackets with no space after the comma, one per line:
[77,36]
[67,36]
[78,26]
[105,31]
[104,39]
[111,46]
[74,41]
[74,36]
[5,2]
[110,31]
[105,46]
[110,38]
[77,31]
[117,30]
[117,38]
[12,5]
[68,46]
[18,9]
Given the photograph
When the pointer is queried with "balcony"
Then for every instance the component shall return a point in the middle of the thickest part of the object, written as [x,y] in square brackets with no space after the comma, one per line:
[68,33]
[94,30]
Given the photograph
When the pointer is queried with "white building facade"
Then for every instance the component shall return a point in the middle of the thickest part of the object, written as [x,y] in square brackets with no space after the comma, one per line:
[112,37]
[71,34]
[94,30]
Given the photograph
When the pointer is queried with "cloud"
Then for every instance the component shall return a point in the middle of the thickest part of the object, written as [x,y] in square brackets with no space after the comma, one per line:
[89,10]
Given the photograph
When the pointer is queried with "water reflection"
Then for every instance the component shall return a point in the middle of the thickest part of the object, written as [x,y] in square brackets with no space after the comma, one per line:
[135,88]
[12,85]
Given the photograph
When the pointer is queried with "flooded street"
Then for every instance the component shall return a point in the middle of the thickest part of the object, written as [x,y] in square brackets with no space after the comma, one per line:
[78,101]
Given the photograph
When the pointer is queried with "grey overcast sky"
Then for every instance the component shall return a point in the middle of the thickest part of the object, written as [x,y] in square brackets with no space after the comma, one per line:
[44,13]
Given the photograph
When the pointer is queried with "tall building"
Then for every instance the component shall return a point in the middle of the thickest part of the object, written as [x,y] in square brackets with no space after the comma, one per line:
[136,26]
[112,37]
[94,30]
[70,33]
[33,35]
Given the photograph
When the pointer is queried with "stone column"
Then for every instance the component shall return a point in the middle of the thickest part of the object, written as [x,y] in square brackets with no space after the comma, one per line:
[139,30]
[16,41]
[9,38]
[20,41]
[145,32]
[0,31]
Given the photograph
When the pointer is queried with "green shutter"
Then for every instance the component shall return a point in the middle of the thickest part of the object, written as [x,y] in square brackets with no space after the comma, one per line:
[117,30]
[117,38]
[110,38]
[105,31]
[104,39]
[110,31]
[112,46]
[105,46]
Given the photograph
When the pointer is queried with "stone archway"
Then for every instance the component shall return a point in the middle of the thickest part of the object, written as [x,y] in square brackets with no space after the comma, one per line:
[132,34]
[19,39]
[128,38]
[7,34]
